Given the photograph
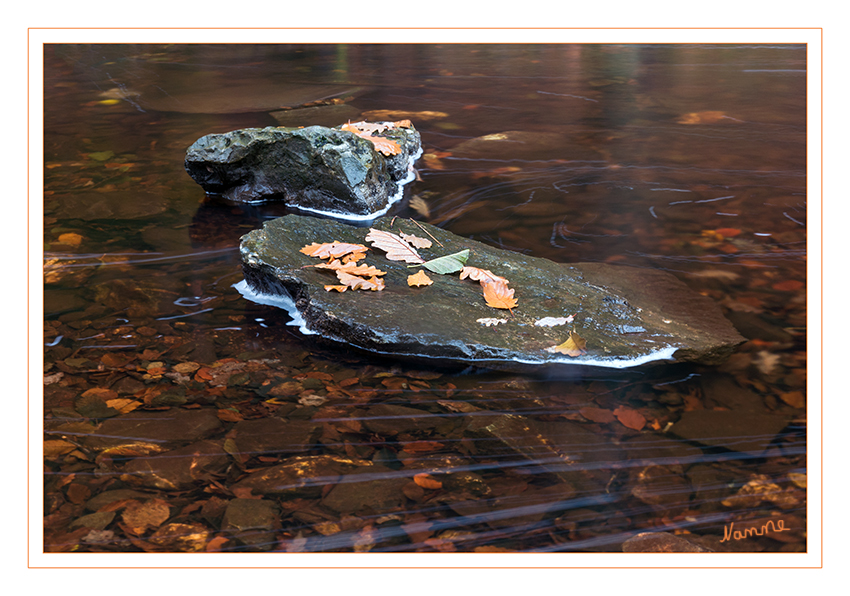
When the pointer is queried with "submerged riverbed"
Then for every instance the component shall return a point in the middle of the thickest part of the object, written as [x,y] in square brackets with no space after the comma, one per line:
[180,416]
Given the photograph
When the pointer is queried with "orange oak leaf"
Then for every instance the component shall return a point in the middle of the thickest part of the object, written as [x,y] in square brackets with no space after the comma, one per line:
[366,129]
[497,295]
[574,346]
[395,246]
[630,418]
[416,241]
[385,146]
[351,268]
[332,249]
[359,283]
[482,275]
[419,279]
[336,288]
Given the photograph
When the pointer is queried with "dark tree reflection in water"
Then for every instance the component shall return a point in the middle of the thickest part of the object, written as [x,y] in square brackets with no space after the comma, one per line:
[180,417]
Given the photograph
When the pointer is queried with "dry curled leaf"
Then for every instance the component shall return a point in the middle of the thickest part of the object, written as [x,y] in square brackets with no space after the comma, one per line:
[395,246]
[416,241]
[332,249]
[366,129]
[574,346]
[480,275]
[351,268]
[487,322]
[359,283]
[384,145]
[419,279]
[497,295]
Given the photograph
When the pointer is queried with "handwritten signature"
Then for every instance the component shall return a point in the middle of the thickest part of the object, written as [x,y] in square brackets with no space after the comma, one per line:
[730,533]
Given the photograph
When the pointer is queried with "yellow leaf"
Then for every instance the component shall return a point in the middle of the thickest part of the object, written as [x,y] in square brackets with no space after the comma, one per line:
[574,346]
[419,279]
[337,288]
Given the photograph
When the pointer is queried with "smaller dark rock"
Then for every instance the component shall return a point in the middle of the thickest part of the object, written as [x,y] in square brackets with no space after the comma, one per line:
[316,168]
[153,432]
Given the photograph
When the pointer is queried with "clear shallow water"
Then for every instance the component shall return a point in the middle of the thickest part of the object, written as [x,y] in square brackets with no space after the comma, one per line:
[685,158]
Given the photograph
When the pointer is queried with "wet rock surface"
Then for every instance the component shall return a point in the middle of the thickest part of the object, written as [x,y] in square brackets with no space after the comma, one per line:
[627,315]
[316,168]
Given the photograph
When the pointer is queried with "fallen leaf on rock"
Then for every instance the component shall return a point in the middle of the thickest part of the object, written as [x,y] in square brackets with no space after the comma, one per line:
[630,418]
[497,295]
[332,249]
[366,129]
[351,268]
[336,288]
[416,241]
[480,275]
[574,346]
[447,264]
[553,321]
[384,145]
[419,279]
[395,246]
[487,322]
[359,283]
[427,481]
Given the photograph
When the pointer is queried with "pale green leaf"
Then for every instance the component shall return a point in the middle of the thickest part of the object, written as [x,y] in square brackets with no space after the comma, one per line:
[449,263]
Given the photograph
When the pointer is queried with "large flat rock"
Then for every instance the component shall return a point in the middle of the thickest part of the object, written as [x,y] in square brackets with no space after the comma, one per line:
[628,316]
